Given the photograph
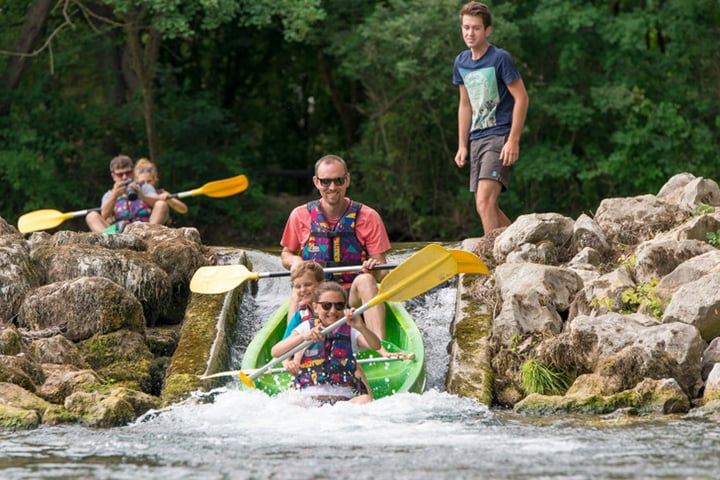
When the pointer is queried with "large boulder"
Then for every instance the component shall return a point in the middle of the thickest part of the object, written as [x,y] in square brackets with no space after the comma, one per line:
[633,220]
[535,298]
[82,307]
[542,230]
[17,276]
[132,270]
[698,304]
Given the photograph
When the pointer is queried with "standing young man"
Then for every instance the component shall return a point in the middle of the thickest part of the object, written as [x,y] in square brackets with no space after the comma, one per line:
[491,113]
[336,231]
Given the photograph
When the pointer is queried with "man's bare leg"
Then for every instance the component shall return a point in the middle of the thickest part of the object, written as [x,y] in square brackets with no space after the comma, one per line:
[486,204]
[363,289]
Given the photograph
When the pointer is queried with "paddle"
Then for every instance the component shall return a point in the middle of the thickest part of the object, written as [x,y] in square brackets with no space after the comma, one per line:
[422,271]
[223,278]
[362,361]
[48,218]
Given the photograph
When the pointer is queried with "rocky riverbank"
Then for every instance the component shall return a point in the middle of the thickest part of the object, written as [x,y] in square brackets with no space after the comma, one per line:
[615,313]
[618,312]
[90,324]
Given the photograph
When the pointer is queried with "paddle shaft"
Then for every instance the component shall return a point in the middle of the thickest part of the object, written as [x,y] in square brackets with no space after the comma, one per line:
[348,268]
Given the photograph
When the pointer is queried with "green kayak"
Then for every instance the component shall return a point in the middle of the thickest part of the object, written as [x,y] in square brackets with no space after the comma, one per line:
[385,376]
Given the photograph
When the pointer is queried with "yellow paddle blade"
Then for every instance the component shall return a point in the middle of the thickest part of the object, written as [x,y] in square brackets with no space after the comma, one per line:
[246,380]
[223,188]
[422,271]
[220,278]
[46,219]
[468,262]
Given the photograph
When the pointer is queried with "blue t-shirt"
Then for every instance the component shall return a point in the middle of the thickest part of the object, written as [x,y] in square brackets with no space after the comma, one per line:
[486,81]
[294,322]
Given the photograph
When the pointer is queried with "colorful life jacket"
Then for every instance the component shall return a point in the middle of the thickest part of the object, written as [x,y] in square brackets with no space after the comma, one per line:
[306,313]
[329,361]
[337,247]
[131,211]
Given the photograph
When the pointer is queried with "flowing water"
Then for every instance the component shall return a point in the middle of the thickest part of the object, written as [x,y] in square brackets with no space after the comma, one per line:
[234,434]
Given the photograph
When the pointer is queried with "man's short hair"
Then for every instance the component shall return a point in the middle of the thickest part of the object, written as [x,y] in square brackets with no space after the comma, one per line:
[330,159]
[477,9]
[120,162]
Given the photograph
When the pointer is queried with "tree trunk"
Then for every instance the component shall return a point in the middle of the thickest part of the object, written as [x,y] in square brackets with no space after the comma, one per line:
[143,60]
[31,31]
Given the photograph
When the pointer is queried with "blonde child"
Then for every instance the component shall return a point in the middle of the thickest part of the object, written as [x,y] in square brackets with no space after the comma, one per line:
[146,171]
[304,278]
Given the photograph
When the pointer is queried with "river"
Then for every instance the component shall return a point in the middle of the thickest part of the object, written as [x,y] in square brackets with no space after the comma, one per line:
[234,434]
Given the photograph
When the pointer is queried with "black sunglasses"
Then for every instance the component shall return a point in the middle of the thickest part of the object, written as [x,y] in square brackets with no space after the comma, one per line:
[325,182]
[339,306]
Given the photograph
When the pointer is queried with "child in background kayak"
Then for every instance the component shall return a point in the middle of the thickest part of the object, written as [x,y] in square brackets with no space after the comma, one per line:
[146,171]
[327,369]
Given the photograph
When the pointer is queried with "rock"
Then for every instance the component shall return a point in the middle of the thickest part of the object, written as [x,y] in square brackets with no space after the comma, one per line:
[605,336]
[14,418]
[58,349]
[710,357]
[67,305]
[534,229]
[657,258]
[62,380]
[689,271]
[22,371]
[10,341]
[17,276]
[695,229]
[115,408]
[131,270]
[602,295]
[533,298]
[587,234]
[697,303]
[122,356]
[635,219]
[712,386]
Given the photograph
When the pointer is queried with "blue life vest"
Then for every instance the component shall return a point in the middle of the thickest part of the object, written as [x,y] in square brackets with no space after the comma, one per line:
[337,247]
[329,361]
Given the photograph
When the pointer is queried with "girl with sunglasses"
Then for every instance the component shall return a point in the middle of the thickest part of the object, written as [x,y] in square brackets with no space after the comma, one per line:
[327,369]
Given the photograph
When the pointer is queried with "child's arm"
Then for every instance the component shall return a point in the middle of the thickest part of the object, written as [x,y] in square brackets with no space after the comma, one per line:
[367,339]
[295,339]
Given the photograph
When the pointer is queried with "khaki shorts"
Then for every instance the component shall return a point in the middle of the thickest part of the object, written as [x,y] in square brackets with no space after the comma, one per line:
[485,161]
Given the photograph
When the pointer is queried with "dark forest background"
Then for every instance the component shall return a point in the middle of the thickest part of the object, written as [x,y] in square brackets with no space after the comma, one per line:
[623,94]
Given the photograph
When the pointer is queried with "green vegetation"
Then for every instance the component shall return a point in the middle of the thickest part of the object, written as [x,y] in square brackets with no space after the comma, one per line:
[213,89]
[539,378]
[713,238]
[644,296]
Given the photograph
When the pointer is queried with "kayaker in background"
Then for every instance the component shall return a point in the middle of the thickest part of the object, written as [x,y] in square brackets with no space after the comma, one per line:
[336,231]
[327,369]
[127,202]
[147,172]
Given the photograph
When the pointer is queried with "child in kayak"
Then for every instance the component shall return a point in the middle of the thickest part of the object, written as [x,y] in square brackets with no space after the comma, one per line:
[304,279]
[327,369]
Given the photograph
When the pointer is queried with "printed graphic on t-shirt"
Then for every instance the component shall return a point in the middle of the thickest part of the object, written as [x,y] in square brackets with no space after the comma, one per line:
[482,89]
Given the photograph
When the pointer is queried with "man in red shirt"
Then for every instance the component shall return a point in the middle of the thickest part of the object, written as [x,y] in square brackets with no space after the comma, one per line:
[336,231]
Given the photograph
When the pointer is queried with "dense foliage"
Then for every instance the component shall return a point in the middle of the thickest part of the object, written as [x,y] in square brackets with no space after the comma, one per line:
[623,94]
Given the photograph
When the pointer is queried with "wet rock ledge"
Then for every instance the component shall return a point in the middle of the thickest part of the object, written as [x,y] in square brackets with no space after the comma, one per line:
[619,312]
[98,329]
